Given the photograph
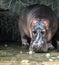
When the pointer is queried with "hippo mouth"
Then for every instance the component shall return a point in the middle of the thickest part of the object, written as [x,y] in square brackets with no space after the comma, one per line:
[38,36]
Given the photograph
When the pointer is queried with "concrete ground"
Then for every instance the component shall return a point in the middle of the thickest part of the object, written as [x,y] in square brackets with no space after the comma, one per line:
[14,54]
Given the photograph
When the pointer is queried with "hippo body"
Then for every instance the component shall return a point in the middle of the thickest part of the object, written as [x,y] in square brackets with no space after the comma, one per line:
[37,25]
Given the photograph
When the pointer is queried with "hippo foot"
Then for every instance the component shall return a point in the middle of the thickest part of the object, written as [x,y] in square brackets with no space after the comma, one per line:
[50,46]
[24,42]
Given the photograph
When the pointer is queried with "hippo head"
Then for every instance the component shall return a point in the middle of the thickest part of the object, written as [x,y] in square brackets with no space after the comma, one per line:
[41,34]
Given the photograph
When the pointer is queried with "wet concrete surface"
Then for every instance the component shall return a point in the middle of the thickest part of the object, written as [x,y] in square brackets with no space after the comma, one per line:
[12,51]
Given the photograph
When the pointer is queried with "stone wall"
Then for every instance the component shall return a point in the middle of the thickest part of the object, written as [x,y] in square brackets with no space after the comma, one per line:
[17,5]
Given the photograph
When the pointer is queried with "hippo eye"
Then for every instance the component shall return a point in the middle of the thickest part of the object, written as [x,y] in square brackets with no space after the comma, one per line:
[34,32]
[43,31]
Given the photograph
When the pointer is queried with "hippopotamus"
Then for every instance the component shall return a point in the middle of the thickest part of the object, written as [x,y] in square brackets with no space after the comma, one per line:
[37,25]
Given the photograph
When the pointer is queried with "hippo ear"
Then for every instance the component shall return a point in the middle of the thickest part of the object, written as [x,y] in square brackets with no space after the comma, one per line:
[46,22]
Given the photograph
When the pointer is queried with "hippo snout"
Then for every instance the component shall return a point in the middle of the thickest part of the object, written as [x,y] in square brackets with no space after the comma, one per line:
[41,48]
[39,43]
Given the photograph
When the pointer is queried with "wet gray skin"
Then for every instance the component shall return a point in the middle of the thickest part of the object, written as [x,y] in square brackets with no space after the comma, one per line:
[39,41]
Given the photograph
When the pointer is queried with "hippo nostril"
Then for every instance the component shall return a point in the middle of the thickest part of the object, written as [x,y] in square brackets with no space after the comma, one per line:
[36,47]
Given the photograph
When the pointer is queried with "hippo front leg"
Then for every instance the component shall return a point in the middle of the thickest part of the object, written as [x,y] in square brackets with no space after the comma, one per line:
[24,40]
